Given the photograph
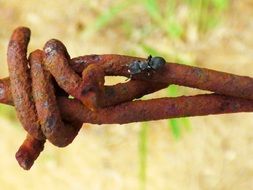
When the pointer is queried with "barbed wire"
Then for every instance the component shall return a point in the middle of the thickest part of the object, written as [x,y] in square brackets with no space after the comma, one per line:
[40,87]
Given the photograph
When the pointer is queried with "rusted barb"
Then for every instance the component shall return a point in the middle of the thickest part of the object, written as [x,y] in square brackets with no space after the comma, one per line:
[20,82]
[29,151]
[57,62]
[51,123]
[92,87]
[61,118]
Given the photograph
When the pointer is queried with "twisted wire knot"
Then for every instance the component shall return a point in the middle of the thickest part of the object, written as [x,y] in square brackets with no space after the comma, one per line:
[34,92]
[39,87]
[34,97]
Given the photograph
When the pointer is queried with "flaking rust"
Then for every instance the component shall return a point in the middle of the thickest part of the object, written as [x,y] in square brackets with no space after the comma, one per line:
[172,73]
[47,113]
[57,62]
[29,151]
[55,130]
[20,82]
[155,109]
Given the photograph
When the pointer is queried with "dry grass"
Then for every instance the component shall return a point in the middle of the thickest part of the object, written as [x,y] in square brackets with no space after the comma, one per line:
[216,154]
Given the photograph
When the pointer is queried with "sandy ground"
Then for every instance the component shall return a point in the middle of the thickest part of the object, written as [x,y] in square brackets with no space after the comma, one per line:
[216,153]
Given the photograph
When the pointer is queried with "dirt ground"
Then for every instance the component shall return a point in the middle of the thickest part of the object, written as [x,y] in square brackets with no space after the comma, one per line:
[216,153]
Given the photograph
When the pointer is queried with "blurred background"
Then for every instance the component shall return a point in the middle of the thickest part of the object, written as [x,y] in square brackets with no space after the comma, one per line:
[210,152]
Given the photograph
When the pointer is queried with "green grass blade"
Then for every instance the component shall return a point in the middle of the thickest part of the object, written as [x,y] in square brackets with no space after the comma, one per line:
[186,123]
[175,127]
[172,91]
[173,28]
[143,150]
[221,4]
[206,14]
[153,9]
[176,124]
[106,17]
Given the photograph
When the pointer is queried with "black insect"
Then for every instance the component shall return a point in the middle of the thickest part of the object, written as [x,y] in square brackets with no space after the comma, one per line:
[151,63]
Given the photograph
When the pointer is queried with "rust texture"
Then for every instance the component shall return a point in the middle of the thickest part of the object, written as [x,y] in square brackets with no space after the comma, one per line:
[29,151]
[53,127]
[5,91]
[20,81]
[155,109]
[57,62]
[39,88]
[172,73]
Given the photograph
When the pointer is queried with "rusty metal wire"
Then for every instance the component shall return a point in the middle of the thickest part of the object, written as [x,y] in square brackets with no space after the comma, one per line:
[39,88]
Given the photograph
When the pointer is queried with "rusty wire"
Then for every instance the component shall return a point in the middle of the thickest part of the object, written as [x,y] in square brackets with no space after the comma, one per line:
[39,88]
